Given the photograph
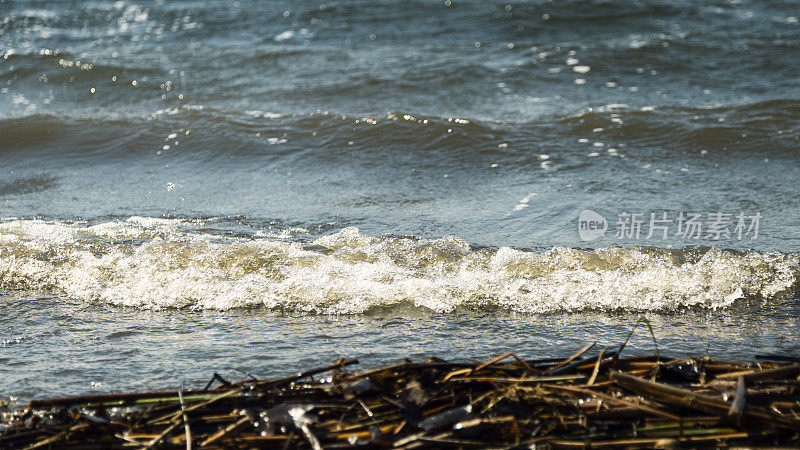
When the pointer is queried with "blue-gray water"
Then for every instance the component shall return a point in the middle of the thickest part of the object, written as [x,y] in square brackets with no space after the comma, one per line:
[198,186]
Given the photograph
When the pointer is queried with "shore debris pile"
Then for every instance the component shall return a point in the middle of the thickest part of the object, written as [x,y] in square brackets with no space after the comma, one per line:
[591,399]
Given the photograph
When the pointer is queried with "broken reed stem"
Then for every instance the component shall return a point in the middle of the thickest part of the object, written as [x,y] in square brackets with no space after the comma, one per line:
[753,375]
[161,436]
[596,370]
[688,399]
[185,423]
[222,433]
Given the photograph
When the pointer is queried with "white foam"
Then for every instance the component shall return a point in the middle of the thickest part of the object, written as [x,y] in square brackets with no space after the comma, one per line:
[288,34]
[264,114]
[155,263]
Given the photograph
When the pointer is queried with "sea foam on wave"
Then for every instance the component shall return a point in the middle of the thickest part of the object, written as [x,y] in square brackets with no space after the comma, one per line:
[169,263]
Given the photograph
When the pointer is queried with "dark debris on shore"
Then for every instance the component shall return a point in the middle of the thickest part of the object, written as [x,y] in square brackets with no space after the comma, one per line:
[595,398]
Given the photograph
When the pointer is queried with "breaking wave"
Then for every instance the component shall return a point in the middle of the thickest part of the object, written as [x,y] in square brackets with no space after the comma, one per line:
[154,263]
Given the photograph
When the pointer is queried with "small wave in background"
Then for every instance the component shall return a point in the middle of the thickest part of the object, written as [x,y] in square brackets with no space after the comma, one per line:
[426,118]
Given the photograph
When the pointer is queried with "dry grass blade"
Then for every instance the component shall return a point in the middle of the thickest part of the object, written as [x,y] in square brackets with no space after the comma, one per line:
[502,357]
[571,358]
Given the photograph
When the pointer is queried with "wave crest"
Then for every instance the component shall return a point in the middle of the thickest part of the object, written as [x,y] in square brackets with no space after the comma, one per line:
[168,263]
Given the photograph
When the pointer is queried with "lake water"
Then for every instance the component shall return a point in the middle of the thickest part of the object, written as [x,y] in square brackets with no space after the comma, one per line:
[258,187]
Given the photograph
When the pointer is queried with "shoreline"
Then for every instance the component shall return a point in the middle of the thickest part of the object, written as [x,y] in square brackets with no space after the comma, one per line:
[595,397]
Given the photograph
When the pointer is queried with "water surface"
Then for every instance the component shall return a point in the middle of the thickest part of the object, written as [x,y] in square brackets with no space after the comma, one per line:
[199,186]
